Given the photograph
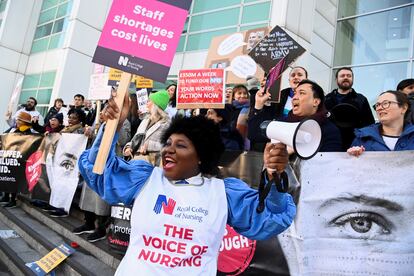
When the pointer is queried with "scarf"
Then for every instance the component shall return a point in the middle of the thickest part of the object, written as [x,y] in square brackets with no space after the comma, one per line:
[72,129]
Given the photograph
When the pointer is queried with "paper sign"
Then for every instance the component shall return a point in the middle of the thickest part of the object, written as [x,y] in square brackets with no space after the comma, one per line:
[274,47]
[142,99]
[230,51]
[141,36]
[51,260]
[142,82]
[203,88]
[98,87]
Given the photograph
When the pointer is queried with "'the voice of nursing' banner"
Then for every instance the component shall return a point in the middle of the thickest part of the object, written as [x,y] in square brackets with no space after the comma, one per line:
[355,218]
[141,36]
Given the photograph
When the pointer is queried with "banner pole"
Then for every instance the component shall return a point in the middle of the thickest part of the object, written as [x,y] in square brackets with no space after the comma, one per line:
[111,125]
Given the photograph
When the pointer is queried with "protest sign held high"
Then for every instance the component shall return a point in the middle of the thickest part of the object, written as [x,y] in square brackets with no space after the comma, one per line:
[140,37]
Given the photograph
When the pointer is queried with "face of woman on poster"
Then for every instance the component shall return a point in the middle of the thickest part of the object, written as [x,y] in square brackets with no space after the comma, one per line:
[360,216]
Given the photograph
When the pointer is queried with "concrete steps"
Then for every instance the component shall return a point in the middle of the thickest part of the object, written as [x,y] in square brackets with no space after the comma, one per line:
[38,233]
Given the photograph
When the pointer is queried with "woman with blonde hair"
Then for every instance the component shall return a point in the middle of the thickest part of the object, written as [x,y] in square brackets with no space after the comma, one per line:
[146,142]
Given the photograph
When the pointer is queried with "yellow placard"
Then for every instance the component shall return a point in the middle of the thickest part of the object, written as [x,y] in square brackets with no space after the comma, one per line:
[51,260]
[140,82]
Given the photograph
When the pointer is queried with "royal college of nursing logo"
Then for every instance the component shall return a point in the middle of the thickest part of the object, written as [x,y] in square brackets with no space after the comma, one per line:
[167,206]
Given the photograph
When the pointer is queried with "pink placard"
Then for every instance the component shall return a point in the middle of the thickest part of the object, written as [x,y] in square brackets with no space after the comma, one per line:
[148,29]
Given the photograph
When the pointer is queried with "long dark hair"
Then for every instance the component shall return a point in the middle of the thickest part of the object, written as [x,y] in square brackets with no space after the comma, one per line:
[173,99]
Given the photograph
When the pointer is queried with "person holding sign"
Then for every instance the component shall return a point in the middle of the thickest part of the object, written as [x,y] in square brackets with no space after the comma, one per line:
[276,110]
[180,210]
[392,132]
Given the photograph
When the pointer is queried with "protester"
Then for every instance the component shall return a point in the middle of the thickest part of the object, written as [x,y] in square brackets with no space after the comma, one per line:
[241,104]
[78,101]
[407,86]
[55,109]
[349,109]
[392,133]
[90,112]
[29,107]
[133,115]
[230,137]
[172,103]
[308,102]
[76,120]
[263,111]
[23,126]
[198,206]
[146,142]
[53,125]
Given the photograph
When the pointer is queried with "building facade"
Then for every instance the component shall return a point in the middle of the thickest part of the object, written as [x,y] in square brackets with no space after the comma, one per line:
[49,44]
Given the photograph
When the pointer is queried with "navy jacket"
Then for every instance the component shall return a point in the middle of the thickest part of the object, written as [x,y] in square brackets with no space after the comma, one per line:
[371,139]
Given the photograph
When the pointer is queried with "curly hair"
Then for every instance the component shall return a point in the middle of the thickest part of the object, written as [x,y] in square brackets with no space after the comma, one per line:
[205,136]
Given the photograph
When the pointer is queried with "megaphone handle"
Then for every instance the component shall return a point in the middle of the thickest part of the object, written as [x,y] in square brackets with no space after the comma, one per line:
[281,183]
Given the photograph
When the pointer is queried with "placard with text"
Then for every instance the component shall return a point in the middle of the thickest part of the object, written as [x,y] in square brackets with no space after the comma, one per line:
[201,88]
[141,36]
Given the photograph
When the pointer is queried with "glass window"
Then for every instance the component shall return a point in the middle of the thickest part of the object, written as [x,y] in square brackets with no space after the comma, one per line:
[202,41]
[58,26]
[31,81]
[47,16]
[24,95]
[56,41]
[180,47]
[3,4]
[43,96]
[372,80]
[354,7]
[204,5]
[49,3]
[47,79]
[250,27]
[258,12]
[40,45]
[63,10]
[43,30]
[215,20]
[378,37]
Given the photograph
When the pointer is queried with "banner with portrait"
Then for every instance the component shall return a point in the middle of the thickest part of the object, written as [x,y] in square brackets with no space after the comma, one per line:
[62,169]
[355,218]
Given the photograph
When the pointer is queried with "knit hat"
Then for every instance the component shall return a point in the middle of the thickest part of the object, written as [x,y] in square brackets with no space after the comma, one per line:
[24,117]
[160,99]
[58,116]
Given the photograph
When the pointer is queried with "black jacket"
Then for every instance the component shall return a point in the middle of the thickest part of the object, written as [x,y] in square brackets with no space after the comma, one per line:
[364,115]
[273,112]
[410,116]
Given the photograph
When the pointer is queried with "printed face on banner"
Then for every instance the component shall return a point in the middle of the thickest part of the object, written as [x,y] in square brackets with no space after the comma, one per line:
[357,218]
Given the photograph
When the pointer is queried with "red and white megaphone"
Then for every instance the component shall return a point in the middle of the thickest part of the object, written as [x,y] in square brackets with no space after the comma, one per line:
[304,137]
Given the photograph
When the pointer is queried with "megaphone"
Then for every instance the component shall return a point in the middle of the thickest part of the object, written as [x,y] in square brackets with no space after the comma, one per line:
[304,137]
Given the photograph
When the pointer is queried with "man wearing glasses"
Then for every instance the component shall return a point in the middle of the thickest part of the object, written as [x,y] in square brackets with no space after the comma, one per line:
[29,107]
[348,108]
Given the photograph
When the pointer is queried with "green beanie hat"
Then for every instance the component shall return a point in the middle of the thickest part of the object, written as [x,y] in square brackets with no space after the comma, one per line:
[160,99]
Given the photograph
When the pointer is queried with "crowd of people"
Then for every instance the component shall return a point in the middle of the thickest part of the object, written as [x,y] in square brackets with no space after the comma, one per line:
[163,140]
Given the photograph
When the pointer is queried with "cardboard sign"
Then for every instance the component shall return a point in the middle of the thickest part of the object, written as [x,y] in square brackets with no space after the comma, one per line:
[51,260]
[141,36]
[98,87]
[273,81]
[140,82]
[230,51]
[274,47]
[202,88]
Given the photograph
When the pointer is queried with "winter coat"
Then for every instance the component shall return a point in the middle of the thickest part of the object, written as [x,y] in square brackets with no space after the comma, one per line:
[370,137]
[364,113]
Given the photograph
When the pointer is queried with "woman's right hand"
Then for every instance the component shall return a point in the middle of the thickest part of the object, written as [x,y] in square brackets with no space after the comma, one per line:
[356,151]
[260,98]
[112,111]
[127,152]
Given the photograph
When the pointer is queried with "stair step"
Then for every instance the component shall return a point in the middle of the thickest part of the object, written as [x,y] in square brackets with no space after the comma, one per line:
[42,237]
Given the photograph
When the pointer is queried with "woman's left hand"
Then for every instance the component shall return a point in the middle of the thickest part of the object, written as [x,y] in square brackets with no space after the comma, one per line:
[275,158]
[143,148]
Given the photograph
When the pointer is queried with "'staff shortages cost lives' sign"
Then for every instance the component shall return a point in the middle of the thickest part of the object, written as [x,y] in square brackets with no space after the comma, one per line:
[202,88]
[141,36]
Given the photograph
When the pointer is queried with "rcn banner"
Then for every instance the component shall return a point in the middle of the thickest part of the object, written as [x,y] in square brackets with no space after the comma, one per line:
[201,88]
[355,218]
[20,162]
[141,36]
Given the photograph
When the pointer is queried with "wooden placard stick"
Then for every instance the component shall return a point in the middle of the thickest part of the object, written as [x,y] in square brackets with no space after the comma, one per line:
[111,125]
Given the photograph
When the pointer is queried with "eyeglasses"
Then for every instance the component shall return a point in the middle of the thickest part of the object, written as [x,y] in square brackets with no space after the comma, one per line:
[384,104]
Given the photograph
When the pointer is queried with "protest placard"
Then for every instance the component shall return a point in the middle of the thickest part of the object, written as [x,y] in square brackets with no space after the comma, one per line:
[201,88]
[140,37]
[230,51]
[138,81]
[142,99]
[98,87]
